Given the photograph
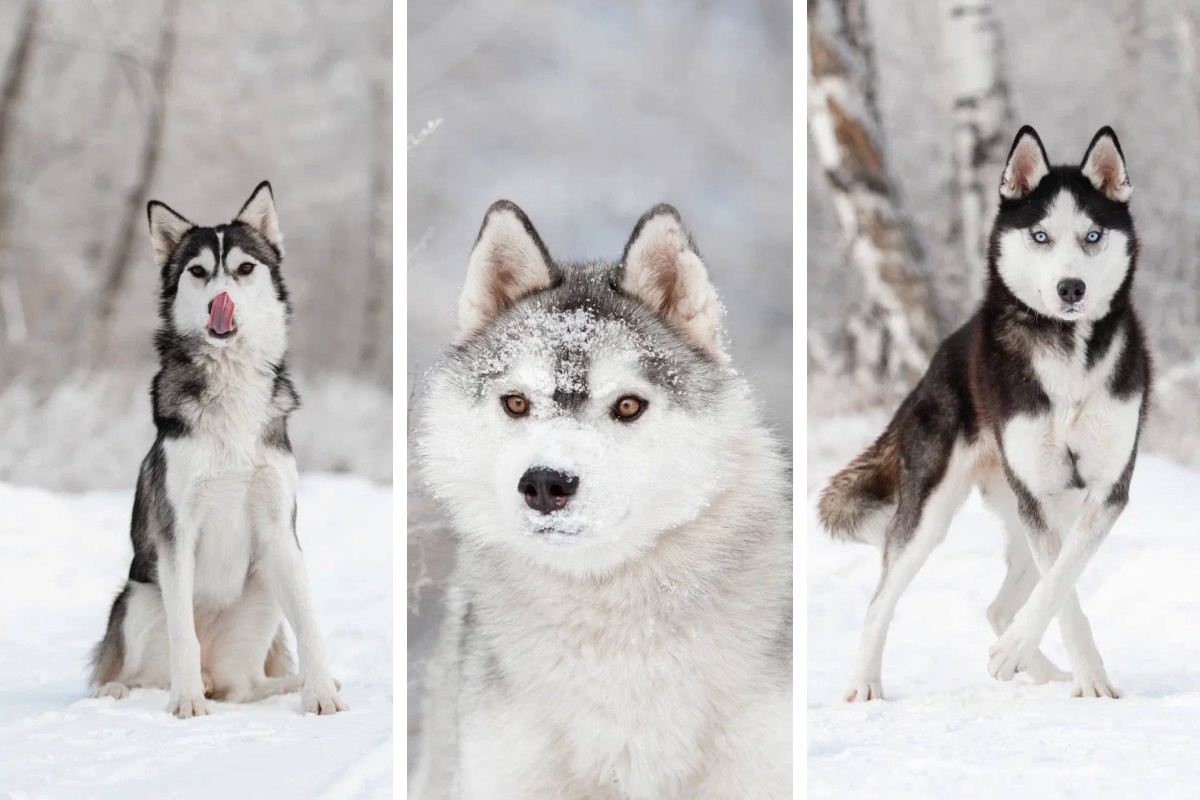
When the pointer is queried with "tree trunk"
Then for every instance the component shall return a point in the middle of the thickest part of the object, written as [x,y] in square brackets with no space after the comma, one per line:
[896,328]
[983,120]
[133,215]
[16,74]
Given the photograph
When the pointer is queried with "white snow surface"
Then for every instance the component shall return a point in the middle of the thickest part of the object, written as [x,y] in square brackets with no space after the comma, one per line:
[947,729]
[63,558]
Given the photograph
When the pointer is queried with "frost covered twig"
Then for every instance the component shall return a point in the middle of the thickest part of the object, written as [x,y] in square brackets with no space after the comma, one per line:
[415,139]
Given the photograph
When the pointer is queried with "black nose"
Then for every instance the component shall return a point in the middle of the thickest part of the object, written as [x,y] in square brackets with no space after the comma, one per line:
[547,489]
[1071,290]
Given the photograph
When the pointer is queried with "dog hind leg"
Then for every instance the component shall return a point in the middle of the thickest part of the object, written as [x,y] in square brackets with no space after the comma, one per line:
[927,505]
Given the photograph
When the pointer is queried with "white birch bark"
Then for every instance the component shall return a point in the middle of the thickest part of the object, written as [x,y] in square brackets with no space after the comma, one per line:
[895,329]
[983,119]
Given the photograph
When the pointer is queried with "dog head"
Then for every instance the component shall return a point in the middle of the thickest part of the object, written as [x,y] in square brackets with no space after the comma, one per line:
[1064,242]
[586,408]
[222,286]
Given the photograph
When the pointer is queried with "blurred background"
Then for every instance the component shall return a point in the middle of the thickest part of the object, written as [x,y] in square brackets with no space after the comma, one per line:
[105,105]
[586,115]
[913,106]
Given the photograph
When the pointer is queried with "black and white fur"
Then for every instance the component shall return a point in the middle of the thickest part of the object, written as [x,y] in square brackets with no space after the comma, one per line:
[632,641]
[1038,400]
[217,565]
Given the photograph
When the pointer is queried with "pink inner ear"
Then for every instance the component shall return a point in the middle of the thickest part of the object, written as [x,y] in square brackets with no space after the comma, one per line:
[1105,168]
[1023,168]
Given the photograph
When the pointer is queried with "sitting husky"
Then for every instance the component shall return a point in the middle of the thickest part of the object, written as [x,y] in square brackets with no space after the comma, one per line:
[1038,400]
[619,620]
[216,562]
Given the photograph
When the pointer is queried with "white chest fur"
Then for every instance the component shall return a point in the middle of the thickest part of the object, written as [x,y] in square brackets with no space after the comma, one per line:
[1084,440]
[629,685]
[214,476]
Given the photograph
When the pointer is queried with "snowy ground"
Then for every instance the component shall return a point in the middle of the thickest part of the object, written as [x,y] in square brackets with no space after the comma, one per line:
[62,558]
[949,730]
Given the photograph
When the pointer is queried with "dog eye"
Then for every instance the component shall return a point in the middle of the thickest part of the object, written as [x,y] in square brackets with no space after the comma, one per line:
[1093,236]
[629,408]
[246,269]
[1040,237]
[515,405]
[197,271]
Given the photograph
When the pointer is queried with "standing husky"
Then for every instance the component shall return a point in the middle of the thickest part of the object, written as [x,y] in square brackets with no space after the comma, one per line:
[216,562]
[1038,400]
[619,621]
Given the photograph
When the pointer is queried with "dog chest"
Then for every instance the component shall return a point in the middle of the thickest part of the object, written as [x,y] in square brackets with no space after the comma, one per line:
[1082,445]
[1083,440]
[633,696]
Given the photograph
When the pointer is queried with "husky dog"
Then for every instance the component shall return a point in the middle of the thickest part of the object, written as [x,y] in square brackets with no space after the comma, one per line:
[619,621]
[216,562]
[1039,400]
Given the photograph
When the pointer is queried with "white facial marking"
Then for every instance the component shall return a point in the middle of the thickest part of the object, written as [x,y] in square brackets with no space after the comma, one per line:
[259,316]
[1034,270]
[636,478]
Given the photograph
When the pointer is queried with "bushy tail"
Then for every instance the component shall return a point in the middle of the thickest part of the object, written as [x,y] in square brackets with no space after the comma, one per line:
[859,501]
[108,657]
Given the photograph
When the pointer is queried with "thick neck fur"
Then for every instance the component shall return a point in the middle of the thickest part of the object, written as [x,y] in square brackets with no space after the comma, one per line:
[240,394]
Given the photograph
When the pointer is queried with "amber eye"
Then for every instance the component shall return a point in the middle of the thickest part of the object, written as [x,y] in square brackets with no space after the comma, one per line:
[515,405]
[197,271]
[629,408]
[246,269]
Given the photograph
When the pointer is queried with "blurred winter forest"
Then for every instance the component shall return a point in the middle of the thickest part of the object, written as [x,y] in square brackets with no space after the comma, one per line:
[912,108]
[105,105]
[586,115]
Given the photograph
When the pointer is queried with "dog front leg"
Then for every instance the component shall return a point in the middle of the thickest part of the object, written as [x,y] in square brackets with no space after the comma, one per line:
[288,581]
[1055,595]
[176,579]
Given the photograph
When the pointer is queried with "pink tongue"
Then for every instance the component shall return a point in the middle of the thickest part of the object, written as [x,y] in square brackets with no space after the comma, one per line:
[220,318]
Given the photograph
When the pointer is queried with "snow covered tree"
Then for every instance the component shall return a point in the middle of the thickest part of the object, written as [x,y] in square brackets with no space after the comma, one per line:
[895,329]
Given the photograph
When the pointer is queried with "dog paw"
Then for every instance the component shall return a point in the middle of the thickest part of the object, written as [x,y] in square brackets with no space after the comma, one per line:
[321,697]
[187,707]
[1042,670]
[862,690]
[117,691]
[1095,686]
[1012,653]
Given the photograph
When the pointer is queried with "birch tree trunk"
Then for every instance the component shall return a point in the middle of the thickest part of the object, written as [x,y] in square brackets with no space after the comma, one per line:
[895,330]
[983,121]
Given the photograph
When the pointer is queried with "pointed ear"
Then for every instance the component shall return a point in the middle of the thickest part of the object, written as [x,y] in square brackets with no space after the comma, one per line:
[662,268]
[1104,165]
[1027,165]
[507,263]
[259,213]
[166,230]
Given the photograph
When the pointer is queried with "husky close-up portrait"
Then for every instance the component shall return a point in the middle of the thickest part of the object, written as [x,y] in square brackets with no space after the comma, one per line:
[619,620]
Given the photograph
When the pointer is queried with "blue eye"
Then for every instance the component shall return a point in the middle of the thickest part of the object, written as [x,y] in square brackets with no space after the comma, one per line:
[1040,237]
[1093,236]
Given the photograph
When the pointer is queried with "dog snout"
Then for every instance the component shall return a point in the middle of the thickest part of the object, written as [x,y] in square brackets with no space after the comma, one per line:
[547,490]
[1071,290]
